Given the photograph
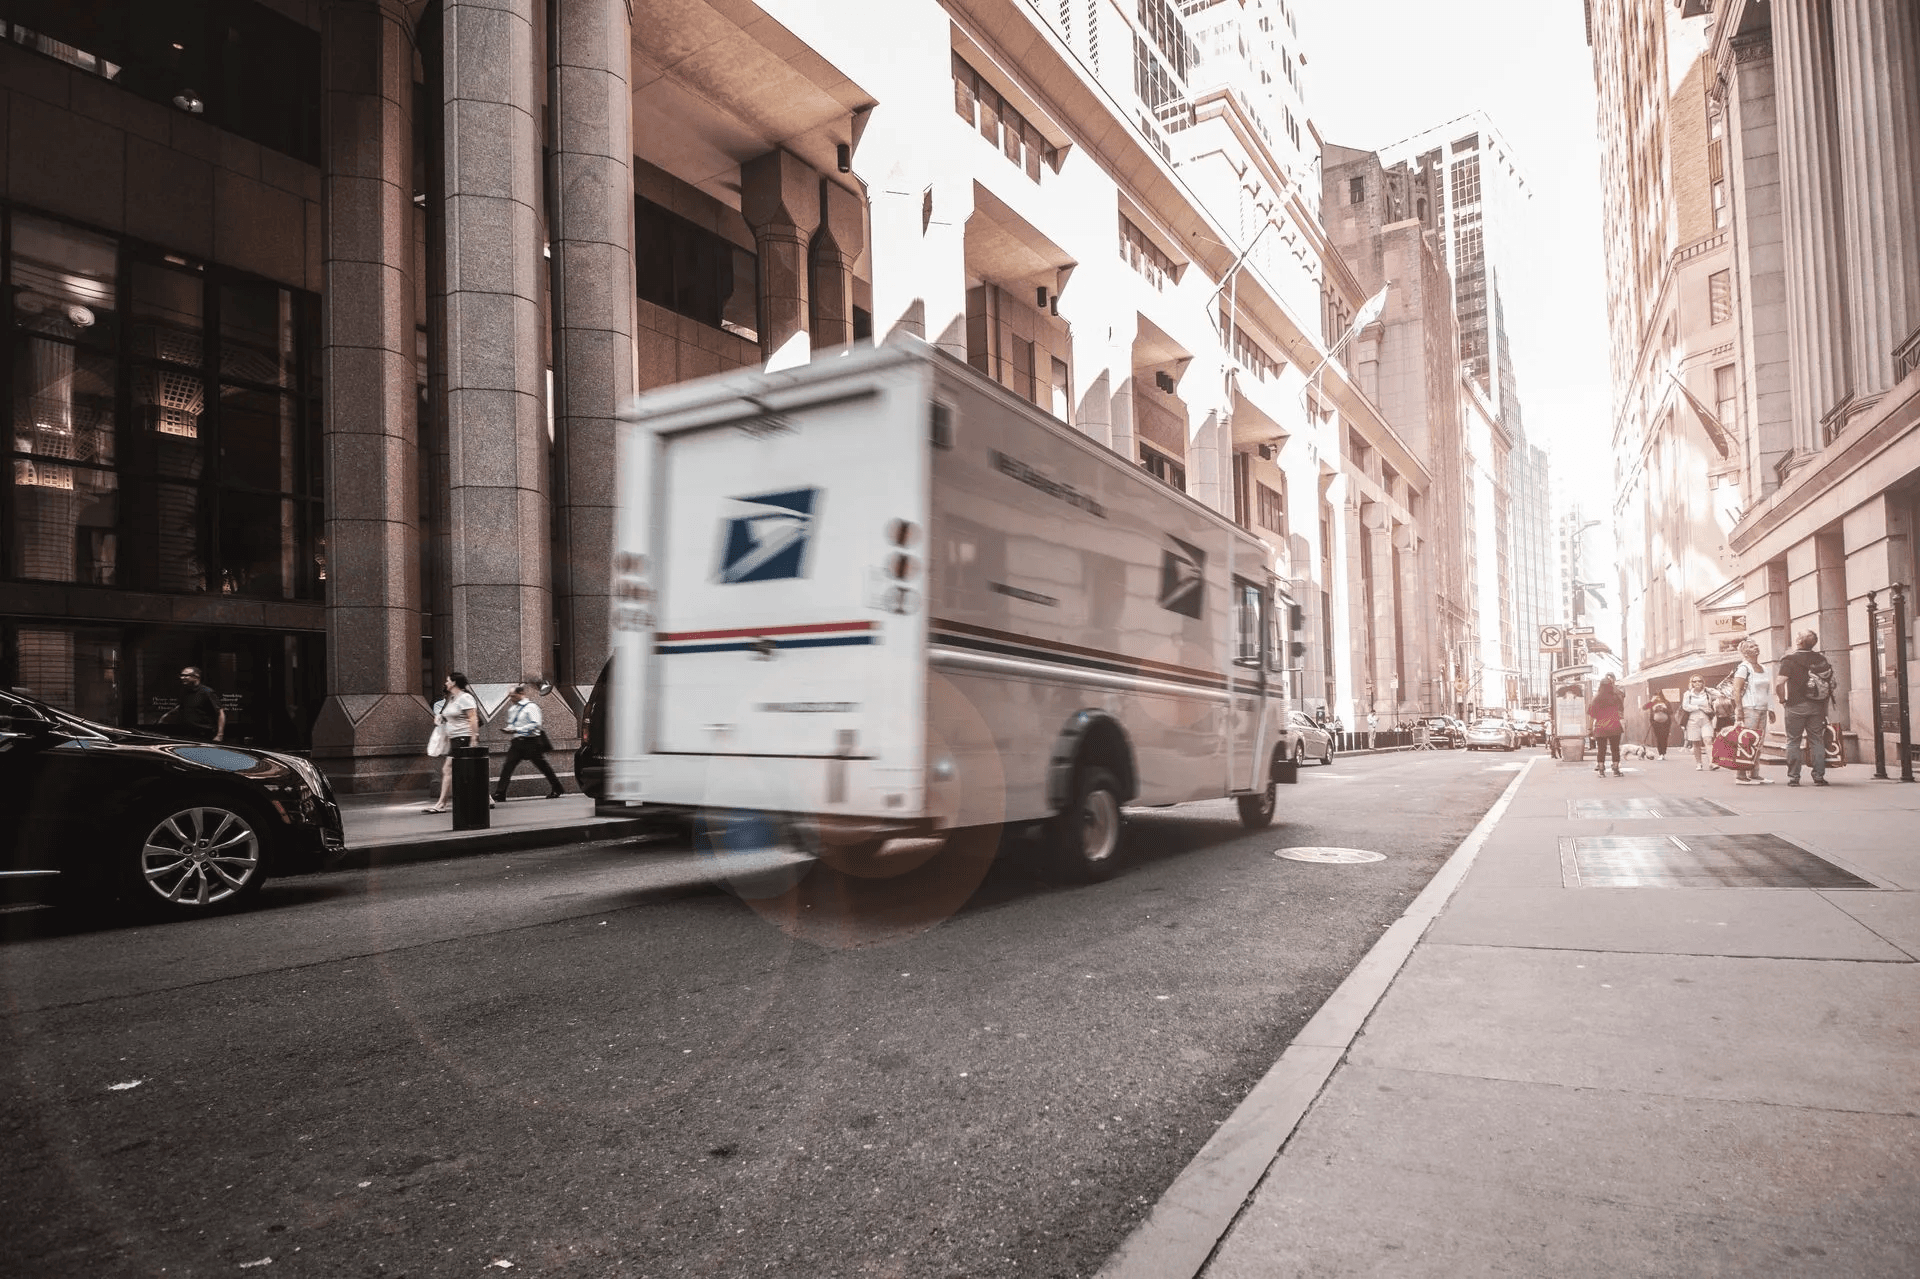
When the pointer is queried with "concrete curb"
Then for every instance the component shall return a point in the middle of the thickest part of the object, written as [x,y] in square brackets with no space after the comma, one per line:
[469,843]
[1193,1216]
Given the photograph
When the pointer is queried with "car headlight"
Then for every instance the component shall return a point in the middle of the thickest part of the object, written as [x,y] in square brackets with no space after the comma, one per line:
[308,773]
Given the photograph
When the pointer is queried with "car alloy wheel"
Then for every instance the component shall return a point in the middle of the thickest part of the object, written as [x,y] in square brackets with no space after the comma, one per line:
[198,857]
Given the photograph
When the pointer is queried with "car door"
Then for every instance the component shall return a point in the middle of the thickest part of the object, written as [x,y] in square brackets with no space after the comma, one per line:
[25,739]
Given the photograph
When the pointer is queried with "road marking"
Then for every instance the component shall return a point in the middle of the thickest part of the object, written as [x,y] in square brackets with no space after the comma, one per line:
[1201,1205]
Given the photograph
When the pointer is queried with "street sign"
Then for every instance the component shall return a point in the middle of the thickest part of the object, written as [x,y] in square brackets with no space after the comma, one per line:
[1552,639]
[1579,630]
[1579,649]
[1459,686]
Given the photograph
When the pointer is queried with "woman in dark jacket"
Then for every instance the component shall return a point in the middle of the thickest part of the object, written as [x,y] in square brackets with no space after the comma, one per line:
[1606,713]
[1660,716]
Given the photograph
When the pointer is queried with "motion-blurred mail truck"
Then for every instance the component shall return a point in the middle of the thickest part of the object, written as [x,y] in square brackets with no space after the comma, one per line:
[886,596]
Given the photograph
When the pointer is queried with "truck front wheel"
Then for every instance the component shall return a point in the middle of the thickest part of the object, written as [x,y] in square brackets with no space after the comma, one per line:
[1086,835]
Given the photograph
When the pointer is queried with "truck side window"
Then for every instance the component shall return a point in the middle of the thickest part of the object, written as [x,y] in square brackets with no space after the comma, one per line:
[1246,623]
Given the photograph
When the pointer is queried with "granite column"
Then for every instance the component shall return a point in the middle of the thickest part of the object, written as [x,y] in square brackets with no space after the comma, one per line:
[492,348]
[1876,46]
[1810,214]
[780,198]
[370,728]
[591,222]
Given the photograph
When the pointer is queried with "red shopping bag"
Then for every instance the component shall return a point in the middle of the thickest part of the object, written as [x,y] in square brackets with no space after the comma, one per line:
[1735,747]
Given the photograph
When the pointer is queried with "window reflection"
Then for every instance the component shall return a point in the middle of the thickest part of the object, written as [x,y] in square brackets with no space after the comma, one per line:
[114,430]
[256,334]
[64,523]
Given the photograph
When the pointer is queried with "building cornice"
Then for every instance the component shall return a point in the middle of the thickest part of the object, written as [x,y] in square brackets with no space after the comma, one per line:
[1771,526]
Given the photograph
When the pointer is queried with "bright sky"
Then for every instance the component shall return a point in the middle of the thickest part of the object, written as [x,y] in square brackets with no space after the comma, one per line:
[1383,70]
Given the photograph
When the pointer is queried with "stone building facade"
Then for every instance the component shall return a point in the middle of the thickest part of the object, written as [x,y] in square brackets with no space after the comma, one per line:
[318,337]
[1767,323]
[1823,121]
[1672,300]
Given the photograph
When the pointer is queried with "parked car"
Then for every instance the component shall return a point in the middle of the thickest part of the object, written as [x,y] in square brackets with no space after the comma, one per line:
[1491,733]
[1444,732]
[170,826]
[1301,739]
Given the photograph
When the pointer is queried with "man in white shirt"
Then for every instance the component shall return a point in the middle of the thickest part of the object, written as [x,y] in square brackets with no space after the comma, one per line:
[526,740]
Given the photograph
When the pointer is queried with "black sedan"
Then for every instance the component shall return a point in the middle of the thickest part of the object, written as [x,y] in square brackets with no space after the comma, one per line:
[170,826]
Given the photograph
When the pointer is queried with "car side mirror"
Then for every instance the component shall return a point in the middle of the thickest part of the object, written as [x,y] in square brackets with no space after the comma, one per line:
[22,722]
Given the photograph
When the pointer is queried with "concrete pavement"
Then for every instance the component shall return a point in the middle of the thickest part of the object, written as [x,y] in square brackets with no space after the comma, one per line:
[1532,1074]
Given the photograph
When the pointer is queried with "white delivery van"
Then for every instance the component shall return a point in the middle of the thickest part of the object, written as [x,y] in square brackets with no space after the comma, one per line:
[886,597]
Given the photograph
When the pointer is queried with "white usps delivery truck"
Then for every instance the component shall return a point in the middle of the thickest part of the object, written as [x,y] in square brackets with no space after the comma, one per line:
[884,597]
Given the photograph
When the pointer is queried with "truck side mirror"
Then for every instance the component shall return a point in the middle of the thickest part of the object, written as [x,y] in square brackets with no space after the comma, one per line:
[1296,617]
[1297,648]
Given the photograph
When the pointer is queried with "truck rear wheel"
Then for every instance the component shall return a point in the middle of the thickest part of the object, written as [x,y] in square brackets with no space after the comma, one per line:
[1086,834]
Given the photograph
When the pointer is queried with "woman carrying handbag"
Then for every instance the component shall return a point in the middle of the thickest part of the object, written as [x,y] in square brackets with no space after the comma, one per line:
[457,723]
[1696,704]
[526,740]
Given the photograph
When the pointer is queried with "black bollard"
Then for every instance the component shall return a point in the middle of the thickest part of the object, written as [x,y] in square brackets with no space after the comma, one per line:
[470,788]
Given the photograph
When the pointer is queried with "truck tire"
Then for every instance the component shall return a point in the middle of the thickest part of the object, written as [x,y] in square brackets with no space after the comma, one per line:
[1085,837]
[1256,810]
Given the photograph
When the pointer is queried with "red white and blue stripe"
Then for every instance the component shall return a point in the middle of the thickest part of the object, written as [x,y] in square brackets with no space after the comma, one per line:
[753,639]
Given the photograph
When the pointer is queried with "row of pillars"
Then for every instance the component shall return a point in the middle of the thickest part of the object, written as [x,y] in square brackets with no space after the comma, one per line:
[1848,111]
[522,519]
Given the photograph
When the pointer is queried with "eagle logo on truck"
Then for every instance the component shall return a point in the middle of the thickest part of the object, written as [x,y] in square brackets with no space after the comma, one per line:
[766,538]
[1183,568]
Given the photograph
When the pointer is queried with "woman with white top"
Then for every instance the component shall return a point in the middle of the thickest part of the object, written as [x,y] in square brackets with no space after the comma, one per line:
[459,715]
[1696,705]
[1753,700]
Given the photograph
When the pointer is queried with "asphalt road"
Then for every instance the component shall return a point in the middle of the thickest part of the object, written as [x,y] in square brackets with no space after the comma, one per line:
[595,1061]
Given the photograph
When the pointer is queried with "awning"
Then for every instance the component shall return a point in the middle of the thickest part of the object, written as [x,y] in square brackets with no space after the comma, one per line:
[1712,667]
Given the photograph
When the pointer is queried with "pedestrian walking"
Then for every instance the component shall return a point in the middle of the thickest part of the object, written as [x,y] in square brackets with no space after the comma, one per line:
[199,714]
[1696,704]
[1373,729]
[1604,713]
[1660,718]
[1753,700]
[1804,682]
[527,740]
[459,718]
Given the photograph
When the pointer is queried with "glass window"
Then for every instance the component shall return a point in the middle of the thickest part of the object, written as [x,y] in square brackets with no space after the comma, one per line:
[256,334]
[1246,622]
[81,478]
[76,670]
[168,314]
[65,523]
[262,539]
[694,272]
[62,402]
[63,281]
[236,63]
[257,438]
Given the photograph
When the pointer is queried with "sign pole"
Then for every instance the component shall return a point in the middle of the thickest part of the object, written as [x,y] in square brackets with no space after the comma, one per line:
[1873,687]
[1900,679]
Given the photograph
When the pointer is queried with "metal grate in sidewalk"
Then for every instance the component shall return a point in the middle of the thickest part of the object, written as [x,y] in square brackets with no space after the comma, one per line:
[1648,806]
[1696,861]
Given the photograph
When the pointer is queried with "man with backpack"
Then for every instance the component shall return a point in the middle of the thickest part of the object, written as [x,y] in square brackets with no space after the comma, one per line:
[1804,683]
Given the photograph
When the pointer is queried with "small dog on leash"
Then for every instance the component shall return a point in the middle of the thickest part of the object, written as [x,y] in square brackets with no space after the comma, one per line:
[1635,750]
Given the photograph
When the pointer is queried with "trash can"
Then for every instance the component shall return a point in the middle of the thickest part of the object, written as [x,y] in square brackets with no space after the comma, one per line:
[470,808]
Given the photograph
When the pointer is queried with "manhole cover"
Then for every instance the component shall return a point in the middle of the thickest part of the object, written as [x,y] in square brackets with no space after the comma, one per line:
[1330,856]
[1648,806]
[1696,861]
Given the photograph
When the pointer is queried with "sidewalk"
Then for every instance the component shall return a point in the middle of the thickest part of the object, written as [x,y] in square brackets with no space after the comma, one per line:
[1597,1080]
[390,829]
